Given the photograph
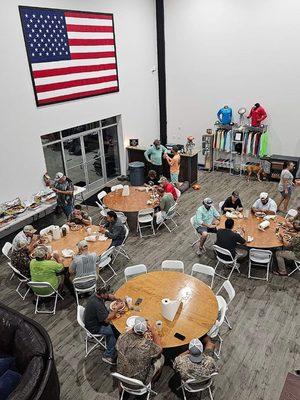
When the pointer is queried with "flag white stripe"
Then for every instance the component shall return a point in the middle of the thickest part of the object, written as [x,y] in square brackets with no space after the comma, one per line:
[78,89]
[72,63]
[90,35]
[71,77]
[88,21]
[90,49]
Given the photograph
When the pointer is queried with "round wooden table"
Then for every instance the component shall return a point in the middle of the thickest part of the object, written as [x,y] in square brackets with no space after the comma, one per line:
[73,237]
[129,205]
[261,239]
[196,315]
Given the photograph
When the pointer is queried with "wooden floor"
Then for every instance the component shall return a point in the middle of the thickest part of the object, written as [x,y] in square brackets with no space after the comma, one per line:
[262,348]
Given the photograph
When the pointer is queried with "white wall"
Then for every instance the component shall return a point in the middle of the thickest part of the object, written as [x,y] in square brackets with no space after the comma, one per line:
[234,52]
[22,123]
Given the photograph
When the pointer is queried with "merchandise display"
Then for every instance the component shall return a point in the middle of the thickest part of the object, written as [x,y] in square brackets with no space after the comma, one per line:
[225,115]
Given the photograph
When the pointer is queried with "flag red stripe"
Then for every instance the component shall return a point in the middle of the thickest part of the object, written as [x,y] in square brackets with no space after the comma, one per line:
[88,28]
[77,95]
[72,70]
[91,42]
[87,15]
[103,54]
[77,82]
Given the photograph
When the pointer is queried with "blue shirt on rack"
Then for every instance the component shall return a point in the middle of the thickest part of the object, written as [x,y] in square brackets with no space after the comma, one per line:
[225,115]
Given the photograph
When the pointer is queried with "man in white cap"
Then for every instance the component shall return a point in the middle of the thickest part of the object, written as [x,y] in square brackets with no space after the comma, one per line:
[64,189]
[206,221]
[139,356]
[27,234]
[195,363]
[84,263]
[265,204]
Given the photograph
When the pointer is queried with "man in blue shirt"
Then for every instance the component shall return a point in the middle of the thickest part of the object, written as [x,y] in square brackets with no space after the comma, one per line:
[225,115]
[206,220]
[154,156]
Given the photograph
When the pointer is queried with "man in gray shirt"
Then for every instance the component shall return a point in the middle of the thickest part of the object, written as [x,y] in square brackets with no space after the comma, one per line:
[113,229]
[84,263]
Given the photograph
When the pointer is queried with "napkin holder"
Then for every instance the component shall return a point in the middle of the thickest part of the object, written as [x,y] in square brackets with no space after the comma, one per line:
[169,308]
[56,232]
[125,191]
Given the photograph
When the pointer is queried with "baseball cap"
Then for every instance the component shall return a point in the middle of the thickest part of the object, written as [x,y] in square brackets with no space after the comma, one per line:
[40,252]
[162,178]
[140,325]
[263,195]
[208,201]
[196,349]
[235,193]
[29,229]
[82,244]
[58,176]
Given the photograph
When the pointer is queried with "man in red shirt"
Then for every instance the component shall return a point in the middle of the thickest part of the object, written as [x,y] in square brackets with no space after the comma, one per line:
[257,115]
[168,187]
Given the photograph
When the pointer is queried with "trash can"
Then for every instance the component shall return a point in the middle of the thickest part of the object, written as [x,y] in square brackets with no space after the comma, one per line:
[137,173]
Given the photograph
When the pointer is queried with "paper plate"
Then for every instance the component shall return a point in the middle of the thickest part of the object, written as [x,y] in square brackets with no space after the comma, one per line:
[111,306]
[67,253]
[130,321]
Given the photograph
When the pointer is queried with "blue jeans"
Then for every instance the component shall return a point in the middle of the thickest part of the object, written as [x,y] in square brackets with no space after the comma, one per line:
[110,351]
[174,177]
[67,209]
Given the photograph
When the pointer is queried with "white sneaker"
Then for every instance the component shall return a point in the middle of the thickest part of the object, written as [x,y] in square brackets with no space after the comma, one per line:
[109,360]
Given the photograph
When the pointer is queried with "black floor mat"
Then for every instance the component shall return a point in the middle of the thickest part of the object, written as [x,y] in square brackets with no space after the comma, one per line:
[91,201]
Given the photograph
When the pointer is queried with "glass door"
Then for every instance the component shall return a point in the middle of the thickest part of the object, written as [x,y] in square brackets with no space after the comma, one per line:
[93,155]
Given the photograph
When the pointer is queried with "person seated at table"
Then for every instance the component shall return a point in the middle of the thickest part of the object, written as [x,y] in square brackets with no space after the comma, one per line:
[168,187]
[79,217]
[113,229]
[140,352]
[206,221]
[20,258]
[151,179]
[166,201]
[97,320]
[43,268]
[228,239]
[265,204]
[232,203]
[196,363]
[27,234]
[291,251]
[290,220]
[84,263]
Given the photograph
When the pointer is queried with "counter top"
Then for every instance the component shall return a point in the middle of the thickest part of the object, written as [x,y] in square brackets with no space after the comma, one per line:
[142,148]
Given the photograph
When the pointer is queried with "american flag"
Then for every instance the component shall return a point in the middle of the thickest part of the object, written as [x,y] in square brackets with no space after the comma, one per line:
[72,54]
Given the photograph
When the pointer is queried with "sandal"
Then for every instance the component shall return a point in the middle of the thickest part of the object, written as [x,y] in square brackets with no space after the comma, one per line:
[280,274]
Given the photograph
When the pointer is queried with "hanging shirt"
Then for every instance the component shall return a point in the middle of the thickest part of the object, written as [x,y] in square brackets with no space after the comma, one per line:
[257,115]
[225,115]
[228,141]
[263,149]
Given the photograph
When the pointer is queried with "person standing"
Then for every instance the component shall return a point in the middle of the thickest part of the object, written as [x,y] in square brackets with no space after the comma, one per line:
[154,156]
[174,164]
[64,189]
[286,184]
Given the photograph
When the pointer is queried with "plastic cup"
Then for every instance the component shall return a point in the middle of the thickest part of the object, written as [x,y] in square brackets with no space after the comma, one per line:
[159,326]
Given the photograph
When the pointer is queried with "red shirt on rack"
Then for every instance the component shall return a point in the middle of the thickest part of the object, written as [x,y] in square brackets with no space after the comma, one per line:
[257,115]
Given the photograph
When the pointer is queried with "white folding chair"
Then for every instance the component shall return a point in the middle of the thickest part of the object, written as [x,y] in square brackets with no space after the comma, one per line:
[214,332]
[172,265]
[195,231]
[122,217]
[196,386]
[54,292]
[261,258]
[46,230]
[145,220]
[100,197]
[22,281]
[230,292]
[178,192]
[84,284]
[139,269]
[105,261]
[291,213]
[169,217]
[220,206]
[5,251]
[228,261]
[120,250]
[204,270]
[297,263]
[103,212]
[116,187]
[97,339]
[133,386]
